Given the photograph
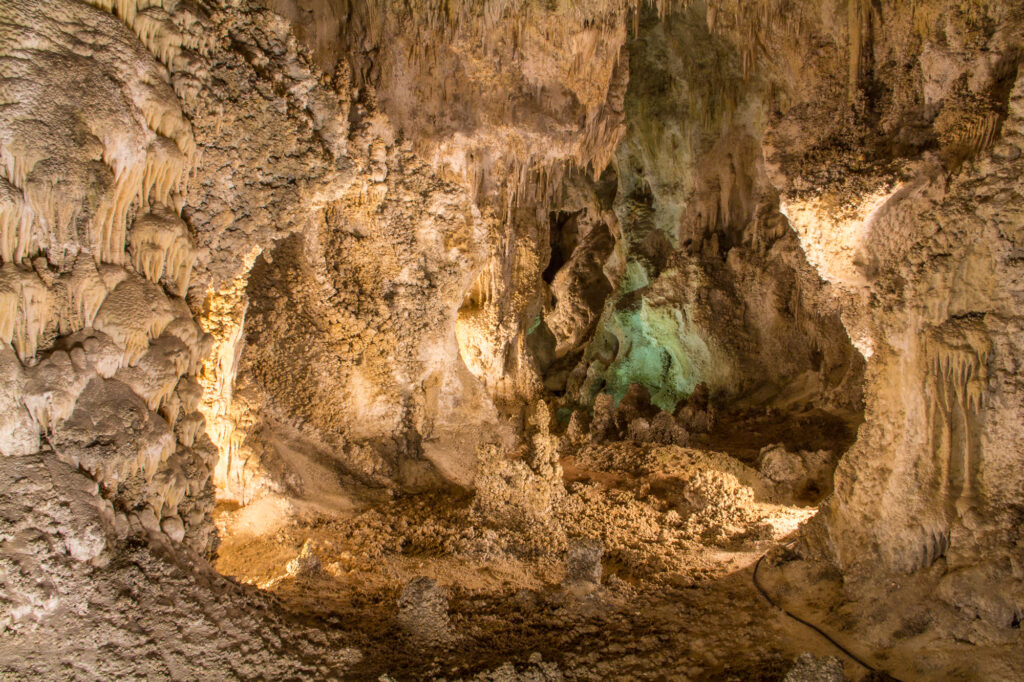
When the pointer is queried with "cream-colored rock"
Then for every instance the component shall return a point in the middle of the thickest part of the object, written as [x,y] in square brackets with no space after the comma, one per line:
[161,247]
[53,388]
[173,528]
[83,137]
[19,432]
[113,435]
[134,313]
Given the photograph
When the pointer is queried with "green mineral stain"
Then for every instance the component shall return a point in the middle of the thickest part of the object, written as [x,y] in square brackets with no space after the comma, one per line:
[657,351]
[533,327]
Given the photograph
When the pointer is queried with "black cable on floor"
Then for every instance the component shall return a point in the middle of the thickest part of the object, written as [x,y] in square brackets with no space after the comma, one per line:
[812,626]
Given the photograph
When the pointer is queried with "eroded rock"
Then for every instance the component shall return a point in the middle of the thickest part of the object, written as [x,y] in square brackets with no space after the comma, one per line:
[423,611]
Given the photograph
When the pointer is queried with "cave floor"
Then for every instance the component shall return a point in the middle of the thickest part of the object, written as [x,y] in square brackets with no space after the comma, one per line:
[675,601]
[681,531]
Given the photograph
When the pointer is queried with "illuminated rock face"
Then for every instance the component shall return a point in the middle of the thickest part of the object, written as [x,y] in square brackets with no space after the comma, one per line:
[710,284]
[913,225]
[277,252]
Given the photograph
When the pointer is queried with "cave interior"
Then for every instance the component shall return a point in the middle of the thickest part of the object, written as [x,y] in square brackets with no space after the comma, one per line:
[512,340]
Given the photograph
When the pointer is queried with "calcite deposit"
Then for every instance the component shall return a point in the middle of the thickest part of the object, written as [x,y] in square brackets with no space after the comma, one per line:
[511,339]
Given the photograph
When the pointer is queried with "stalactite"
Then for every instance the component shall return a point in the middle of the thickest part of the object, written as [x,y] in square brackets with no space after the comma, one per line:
[108,225]
[26,307]
[154,180]
[198,343]
[170,408]
[124,9]
[957,354]
[165,167]
[151,454]
[9,295]
[223,319]
[189,428]
[158,33]
[54,207]
[87,291]
[49,182]
[163,117]
[162,248]
[134,312]
[15,224]
[167,487]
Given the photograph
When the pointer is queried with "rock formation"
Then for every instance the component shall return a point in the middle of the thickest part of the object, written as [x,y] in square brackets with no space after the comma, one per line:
[481,299]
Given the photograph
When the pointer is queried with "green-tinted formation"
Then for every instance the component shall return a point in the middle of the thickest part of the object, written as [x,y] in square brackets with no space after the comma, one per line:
[657,351]
[678,94]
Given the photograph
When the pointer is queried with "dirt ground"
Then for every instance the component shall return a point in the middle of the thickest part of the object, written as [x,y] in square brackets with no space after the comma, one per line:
[677,532]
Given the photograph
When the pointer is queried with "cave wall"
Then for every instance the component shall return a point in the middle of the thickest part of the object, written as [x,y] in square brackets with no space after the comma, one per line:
[107,468]
[421,278]
[350,331]
[103,351]
[899,177]
[507,100]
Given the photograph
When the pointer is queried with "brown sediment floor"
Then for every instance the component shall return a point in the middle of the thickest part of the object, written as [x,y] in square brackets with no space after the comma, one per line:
[675,600]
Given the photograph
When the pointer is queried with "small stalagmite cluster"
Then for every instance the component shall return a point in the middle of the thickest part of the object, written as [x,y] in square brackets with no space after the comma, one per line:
[511,339]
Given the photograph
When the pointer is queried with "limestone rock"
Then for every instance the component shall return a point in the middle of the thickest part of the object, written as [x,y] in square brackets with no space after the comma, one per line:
[811,668]
[282,256]
[305,563]
[423,611]
[803,475]
[583,562]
